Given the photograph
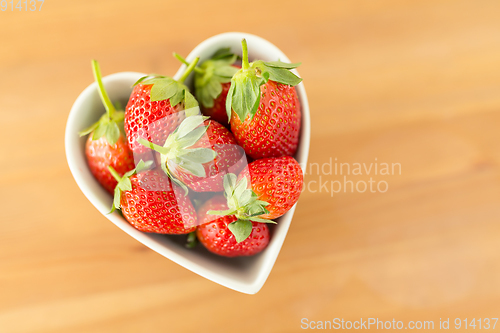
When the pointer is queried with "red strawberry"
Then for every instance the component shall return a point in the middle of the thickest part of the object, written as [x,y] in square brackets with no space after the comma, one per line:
[216,232]
[277,181]
[265,190]
[100,154]
[106,145]
[151,203]
[212,81]
[264,107]
[218,109]
[153,110]
[199,153]
[274,130]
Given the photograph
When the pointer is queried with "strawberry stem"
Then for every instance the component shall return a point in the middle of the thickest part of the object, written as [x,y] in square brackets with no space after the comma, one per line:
[115,174]
[244,59]
[185,62]
[110,109]
[191,240]
[188,71]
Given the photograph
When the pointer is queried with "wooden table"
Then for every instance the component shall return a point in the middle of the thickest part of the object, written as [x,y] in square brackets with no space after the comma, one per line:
[415,83]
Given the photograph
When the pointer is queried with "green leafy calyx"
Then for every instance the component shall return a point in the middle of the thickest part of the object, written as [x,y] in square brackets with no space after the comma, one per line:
[124,183]
[111,123]
[177,152]
[165,87]
[243,203]
[212,73]
[244,95]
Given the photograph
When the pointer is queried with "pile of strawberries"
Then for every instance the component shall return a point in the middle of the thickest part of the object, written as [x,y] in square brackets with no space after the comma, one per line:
[216,165]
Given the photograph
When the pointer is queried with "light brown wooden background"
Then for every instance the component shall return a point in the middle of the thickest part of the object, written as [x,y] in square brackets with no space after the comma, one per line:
[409,82]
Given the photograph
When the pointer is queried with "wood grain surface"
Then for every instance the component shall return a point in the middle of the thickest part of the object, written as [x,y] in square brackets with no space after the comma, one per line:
[415,83]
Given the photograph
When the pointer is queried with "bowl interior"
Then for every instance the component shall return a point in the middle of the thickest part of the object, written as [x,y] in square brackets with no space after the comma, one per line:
[244,274]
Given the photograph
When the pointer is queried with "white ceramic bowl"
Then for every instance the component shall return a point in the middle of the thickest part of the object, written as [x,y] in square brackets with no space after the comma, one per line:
[244,274]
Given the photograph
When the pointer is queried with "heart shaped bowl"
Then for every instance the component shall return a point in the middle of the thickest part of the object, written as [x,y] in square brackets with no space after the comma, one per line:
[244,274]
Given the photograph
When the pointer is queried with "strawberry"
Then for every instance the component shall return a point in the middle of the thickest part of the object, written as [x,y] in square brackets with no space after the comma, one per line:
[266,189]
[212,81]
[100,154]
[226,235]
[277,181]
[198,154]
[264,109]
[106,145]
[218,110]
[154,109]
[151,203]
